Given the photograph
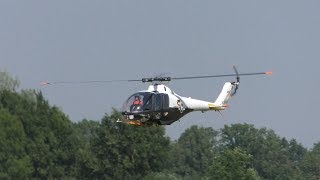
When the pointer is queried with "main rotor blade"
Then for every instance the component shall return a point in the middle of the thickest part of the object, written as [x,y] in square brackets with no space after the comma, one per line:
[45,83]
[86,82]
[222,75]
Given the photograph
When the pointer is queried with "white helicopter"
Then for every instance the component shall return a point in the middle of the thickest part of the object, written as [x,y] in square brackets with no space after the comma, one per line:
[159,105]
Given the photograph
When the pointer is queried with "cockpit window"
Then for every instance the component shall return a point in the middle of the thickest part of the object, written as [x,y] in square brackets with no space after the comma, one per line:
[138,102]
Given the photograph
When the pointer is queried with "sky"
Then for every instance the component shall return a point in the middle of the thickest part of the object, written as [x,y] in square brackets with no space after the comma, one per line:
[78,40]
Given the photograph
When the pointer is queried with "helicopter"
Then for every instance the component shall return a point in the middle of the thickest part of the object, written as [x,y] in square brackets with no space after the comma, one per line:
[159,105]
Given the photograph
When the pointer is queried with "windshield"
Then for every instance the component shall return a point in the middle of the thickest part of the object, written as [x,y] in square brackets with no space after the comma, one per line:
[138,102]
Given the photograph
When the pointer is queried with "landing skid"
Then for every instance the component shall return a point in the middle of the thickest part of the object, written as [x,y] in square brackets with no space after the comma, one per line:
[136,122]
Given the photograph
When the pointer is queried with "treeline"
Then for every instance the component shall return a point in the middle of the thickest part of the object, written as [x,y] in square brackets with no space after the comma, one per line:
[38,141]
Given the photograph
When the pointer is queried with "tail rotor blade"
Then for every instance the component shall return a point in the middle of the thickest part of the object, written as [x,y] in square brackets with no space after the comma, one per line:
[236,71]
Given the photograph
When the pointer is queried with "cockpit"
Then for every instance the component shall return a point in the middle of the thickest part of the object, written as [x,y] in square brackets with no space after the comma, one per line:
[138,102]
[145,102]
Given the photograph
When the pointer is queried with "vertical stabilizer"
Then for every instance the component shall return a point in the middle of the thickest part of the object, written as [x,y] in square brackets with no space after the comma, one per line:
[229,89]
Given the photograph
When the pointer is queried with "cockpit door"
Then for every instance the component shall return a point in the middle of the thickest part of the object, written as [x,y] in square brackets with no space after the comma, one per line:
[160,102]
[157,102]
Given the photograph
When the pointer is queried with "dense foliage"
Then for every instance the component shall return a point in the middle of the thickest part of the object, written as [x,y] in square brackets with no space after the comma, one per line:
[39,141]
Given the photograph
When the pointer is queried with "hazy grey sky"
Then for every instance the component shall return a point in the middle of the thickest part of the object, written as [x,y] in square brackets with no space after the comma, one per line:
[103,40]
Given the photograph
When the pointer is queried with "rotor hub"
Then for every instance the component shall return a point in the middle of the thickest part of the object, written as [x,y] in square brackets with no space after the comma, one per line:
[156,79]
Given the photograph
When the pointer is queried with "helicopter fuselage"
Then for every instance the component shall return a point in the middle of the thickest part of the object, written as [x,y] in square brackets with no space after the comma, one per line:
[160,105]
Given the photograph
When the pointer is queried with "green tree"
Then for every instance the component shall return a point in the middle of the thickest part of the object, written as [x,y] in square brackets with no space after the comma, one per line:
[271,158]
[7,82]
[162,176]
[50,139]
[126,151]
[296,150]
[86,161]
[87,130]
[310,164]
[14,160]
[233,164]
[193,153]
